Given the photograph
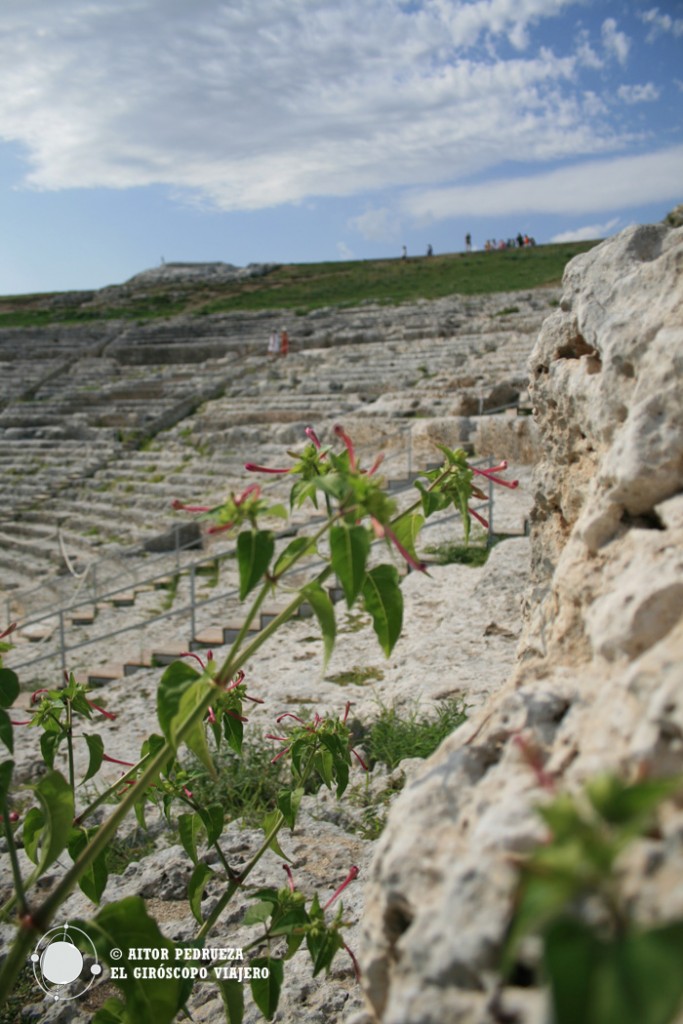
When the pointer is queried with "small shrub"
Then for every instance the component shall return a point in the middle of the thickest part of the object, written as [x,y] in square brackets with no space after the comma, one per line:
[390,738]
[247,786]
[460,554]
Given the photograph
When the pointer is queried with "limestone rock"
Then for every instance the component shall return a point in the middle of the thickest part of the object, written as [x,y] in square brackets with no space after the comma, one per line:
[599,680]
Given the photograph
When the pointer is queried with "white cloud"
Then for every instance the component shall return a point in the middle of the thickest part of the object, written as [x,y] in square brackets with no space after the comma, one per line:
[593,186]
[660,24]
[588,232]
[377,225]
[617,44]
[254,103]
[638,93]
[344,252]
[248,104]
[586,55]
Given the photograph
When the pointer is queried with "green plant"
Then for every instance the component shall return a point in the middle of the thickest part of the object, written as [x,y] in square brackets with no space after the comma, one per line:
[202,708]
[246,786]
[122,852]
[359,675]
[603,966]
[450,552]
[171,589]
[391,738]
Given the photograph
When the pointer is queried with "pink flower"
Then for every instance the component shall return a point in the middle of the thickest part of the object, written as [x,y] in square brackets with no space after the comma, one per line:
[490,475]
[177,504]
[356,966]
[385,531]
[252,467]
[96,707]
[533,757]
[376,464]
[290,877]
[115,760]
[251,489]
[343,436]
[197,658]
[353,874]
[360,760]
[480,519]
[312,436]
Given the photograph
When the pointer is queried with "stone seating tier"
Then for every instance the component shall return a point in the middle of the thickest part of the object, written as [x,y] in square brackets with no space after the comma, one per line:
[70,450]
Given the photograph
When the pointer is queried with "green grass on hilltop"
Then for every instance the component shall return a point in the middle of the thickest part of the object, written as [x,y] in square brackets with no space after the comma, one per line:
[303,287]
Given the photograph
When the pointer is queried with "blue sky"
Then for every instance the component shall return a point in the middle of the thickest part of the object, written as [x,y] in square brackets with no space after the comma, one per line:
[306,130]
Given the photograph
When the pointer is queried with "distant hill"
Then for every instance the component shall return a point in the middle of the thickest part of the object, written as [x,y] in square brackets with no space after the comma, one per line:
[203,288]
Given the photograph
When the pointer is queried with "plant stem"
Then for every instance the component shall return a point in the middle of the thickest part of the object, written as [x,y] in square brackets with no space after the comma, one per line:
[235,883]
[70,745]
[12,850]
[110,790]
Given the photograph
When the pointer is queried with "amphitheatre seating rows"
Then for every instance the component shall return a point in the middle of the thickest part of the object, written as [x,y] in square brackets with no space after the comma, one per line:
[68,452]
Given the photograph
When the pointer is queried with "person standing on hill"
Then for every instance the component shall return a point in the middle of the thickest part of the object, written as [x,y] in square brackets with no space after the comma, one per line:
[468,242]
[284,342]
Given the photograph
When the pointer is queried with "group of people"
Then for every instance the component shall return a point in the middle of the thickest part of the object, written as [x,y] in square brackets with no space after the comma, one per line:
[520,242]
[278,344]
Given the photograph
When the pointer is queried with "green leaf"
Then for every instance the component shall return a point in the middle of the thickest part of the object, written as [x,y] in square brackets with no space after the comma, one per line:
[233,730]
[57,813]
[324,765]
[269,822]
[9,687]
[196,886]
[266,991]
[111,1013]
[34,822]
[257,913]
[232,994]
[254,551]
[6,769]
[296,549]
[6,732]
[288,802]
[93,881]
[190,828]
[539,900]
[349,549]
[49,741]
[622,804]
[383,600]
[407,529]
[195,738]
[323,608]
[213,817]
[432,501]
[177,678]
[126,925]
[96,748]
[635,979]
[323,946]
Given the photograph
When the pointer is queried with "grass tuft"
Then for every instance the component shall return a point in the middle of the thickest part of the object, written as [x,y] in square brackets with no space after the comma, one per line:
[391,738]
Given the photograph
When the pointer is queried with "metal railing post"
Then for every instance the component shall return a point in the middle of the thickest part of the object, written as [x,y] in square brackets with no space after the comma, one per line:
[489,535]
[193,621]
[62,640]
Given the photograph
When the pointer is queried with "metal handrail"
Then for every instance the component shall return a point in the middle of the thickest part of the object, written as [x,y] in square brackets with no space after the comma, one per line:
[189,611]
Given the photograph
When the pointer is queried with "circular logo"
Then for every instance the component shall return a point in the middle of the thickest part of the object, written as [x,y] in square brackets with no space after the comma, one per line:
[57,961]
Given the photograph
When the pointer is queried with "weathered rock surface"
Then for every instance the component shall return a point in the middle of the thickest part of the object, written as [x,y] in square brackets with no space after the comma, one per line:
[600,680]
